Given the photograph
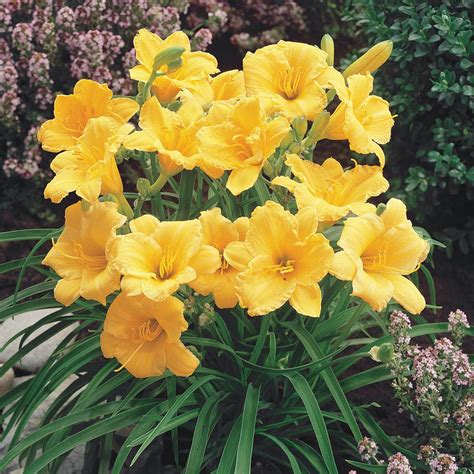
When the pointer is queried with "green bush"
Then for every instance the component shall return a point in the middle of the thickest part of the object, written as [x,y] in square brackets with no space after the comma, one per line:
[430,80]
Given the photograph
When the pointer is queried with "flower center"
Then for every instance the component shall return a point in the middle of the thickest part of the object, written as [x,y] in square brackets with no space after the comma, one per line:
[224,264]
[92,262]
[289,83]
[285,266]
[374,262]
[149,330]
[166,267]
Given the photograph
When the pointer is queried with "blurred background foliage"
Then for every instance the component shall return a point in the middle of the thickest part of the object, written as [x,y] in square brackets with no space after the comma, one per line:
[47,45]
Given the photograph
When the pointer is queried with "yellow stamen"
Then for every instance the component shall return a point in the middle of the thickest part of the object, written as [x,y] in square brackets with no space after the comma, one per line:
[286,266]
[166,266]
[289,83]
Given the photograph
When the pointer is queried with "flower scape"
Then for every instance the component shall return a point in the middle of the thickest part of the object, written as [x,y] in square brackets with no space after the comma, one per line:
[246,129]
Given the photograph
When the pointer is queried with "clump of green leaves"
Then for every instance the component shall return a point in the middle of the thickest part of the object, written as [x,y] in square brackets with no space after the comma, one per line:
[431,82]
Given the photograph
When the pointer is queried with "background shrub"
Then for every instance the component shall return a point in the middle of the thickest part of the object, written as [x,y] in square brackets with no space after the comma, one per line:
[430,81]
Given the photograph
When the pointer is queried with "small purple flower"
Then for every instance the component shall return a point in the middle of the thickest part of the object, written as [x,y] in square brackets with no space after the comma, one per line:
[443,463]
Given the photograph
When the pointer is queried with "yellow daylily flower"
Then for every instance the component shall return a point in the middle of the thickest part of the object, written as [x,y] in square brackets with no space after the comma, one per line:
[363,119]
[144,336]
[81,254]
[377,253]
[228,85]
[330,190]
[193,75]
[241,140]
[292,75]
[171,134]
[89,168]
[157,257]
[72,113]
[219,232]
[282,259]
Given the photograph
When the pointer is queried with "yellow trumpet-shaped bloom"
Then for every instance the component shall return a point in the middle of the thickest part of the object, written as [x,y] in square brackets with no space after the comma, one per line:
[171,134]
[377,253]
[81,254]
[228,85]
[241,139]
[291,75]
[193,75]
[144,336]
[330,190]
[72,113]
[157,257]
[282,259]
[219,232]
[363,119]
[89,168]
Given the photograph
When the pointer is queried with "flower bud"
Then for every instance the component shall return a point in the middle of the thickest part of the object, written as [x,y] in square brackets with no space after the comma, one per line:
[327,45]
[371,60]
[317,129]
[288,139]
[143,187]
[382,353]
[380,209]
[168,56]
[300,125]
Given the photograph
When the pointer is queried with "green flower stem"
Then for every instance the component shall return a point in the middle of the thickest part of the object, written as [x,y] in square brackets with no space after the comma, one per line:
[268,168]
[159,183]
[124,206]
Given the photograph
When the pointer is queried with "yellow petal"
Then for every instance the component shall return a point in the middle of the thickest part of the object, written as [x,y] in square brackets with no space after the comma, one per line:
[228,85]
[359,232]
[225,295]
[343,267]
[217,230]
[381,121]
[373,288]
[407,294]
[181,361]
[242,225]
[206,260]
[395,213]
[360,86]
[307,300]
[237,255]
[140,140]
[261,290]
[97,285]
[124,109]
[266,223]
[146,224]
[242,179]
[67,291]
[66,181]
[147,46]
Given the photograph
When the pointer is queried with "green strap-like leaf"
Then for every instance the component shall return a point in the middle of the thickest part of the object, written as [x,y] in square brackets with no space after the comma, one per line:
[247,431]
[316,418]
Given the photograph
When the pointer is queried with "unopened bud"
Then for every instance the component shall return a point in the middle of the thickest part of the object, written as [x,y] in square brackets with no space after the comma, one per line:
[294,148]
[327,45]
[300,126]
[143,187]
[382,353]
[193,350]
[371,60]
[317,129]
[172,66]
[168,56]
[380,209]
[288,139]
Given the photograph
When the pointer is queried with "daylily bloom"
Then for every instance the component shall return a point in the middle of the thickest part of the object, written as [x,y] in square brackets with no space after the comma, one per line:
[292,75]
[157,257]
[81,254]
[171,134]
[144,336]
[228,85]
[242,139]
[89,168]
[193,74]
[281,259]
[377,253]
[363,119]
[219,232]
[330,190]
[72,113]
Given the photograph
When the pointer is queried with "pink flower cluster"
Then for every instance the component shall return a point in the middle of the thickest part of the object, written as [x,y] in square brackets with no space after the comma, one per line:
[398,464]
[46,46]
[368,450]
